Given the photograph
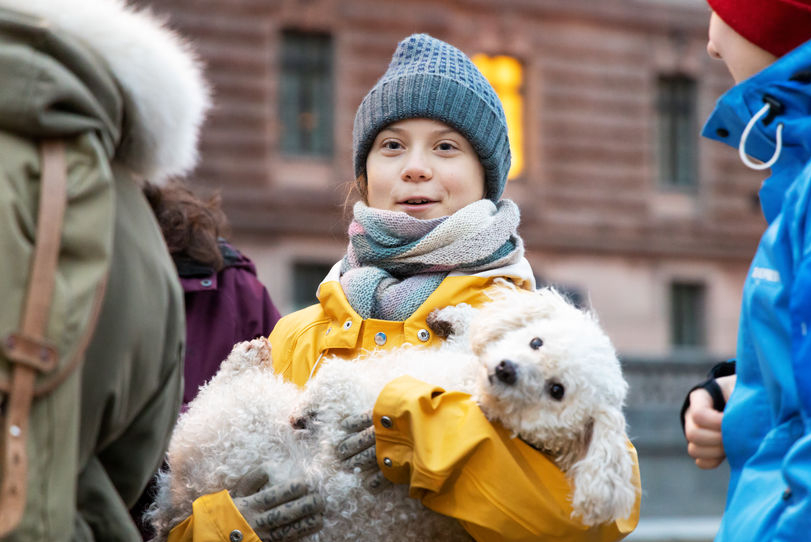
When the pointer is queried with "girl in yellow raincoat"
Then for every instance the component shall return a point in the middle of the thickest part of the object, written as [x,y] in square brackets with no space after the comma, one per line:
[431,156]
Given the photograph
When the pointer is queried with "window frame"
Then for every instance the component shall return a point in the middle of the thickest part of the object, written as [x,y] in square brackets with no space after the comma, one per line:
[677,147]
[687,315]
[306,91]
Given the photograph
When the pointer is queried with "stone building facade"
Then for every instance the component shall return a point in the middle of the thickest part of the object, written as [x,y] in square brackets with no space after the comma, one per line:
[622,204]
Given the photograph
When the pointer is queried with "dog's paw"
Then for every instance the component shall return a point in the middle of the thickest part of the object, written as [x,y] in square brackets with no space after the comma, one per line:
[255,353]
[450,321]
[303,421]
[259,350]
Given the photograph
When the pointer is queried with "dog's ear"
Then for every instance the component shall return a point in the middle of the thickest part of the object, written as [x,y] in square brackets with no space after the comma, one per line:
[603,478]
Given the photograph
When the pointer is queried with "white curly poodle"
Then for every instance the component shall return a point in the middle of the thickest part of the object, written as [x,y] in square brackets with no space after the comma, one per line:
[533,362]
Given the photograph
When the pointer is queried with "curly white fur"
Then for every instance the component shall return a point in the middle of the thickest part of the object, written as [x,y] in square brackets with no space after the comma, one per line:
[242,418]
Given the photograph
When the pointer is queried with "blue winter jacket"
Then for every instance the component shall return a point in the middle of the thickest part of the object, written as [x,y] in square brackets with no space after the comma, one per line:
[767,421]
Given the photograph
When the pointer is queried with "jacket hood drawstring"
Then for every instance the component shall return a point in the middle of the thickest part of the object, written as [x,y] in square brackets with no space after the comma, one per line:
[778,141]
[778,135]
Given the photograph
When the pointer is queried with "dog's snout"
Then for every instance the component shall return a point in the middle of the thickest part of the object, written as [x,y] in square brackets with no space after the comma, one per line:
[506,372]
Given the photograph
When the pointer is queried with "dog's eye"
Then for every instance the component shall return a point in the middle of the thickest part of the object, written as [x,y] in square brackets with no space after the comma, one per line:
[556,390]
[536,343]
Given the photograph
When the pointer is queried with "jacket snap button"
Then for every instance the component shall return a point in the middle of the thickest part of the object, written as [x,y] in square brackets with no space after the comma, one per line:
[380,339]
[423,335]
[722,132]
[787,494]
[386,422]
[347,324]
[206,283]
[235,536]
[387,462]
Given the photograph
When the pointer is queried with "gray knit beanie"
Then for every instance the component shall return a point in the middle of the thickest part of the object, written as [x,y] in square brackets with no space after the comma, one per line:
[428,78]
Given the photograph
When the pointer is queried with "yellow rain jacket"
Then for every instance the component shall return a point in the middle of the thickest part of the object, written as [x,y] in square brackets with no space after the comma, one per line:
[454,460]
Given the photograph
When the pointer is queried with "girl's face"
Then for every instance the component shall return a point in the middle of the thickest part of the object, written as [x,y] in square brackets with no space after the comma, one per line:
[742,57]
[424,168]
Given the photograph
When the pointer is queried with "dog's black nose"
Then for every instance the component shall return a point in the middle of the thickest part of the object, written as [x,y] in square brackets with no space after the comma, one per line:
[505,371]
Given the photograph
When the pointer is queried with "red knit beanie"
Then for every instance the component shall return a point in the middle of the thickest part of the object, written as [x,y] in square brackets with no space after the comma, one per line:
[778,26]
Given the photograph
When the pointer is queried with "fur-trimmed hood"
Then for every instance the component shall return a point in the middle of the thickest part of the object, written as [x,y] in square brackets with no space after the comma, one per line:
[149,103]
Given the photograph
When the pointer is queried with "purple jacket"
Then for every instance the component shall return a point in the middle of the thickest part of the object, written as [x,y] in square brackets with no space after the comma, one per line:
[222,309]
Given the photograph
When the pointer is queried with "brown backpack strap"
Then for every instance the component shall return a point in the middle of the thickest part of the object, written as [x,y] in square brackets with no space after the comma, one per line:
[28,350]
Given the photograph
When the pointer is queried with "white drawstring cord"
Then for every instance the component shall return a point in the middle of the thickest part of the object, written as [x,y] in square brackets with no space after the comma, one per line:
[742,146]
[312,371]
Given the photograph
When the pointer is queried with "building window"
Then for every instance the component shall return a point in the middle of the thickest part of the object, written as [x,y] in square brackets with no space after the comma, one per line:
[506,75]
[687,309]
[678,132]
[306,278]
[305,105]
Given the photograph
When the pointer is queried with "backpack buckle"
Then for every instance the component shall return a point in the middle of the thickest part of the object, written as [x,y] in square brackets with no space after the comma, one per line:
[35,353]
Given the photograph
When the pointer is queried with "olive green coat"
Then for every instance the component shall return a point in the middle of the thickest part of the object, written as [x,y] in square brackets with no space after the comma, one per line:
[98,431]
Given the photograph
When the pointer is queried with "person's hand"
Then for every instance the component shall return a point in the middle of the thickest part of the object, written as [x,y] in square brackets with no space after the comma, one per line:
[278,512]
[357,451]
[702,426]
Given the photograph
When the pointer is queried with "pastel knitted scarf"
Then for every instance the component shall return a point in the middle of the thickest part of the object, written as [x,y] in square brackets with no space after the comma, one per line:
[394,261]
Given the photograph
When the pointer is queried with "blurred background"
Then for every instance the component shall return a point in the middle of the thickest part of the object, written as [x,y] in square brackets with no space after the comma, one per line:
[623,205]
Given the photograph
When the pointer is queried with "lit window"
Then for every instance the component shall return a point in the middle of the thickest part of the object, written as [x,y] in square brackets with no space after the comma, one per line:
[678,133]
[687,308]
[505,73]
[305,104]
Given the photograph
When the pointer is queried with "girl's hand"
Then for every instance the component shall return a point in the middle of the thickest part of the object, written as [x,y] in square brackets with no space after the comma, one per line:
[702,426]
[278,512]
[357,451]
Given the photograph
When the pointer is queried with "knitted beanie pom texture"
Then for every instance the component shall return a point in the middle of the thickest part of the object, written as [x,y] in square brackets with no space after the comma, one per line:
[777,26]
[428,78]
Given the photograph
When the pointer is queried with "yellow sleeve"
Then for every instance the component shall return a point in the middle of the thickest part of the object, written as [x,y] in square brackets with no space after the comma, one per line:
[296,346]
[460,465]
[214,517]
